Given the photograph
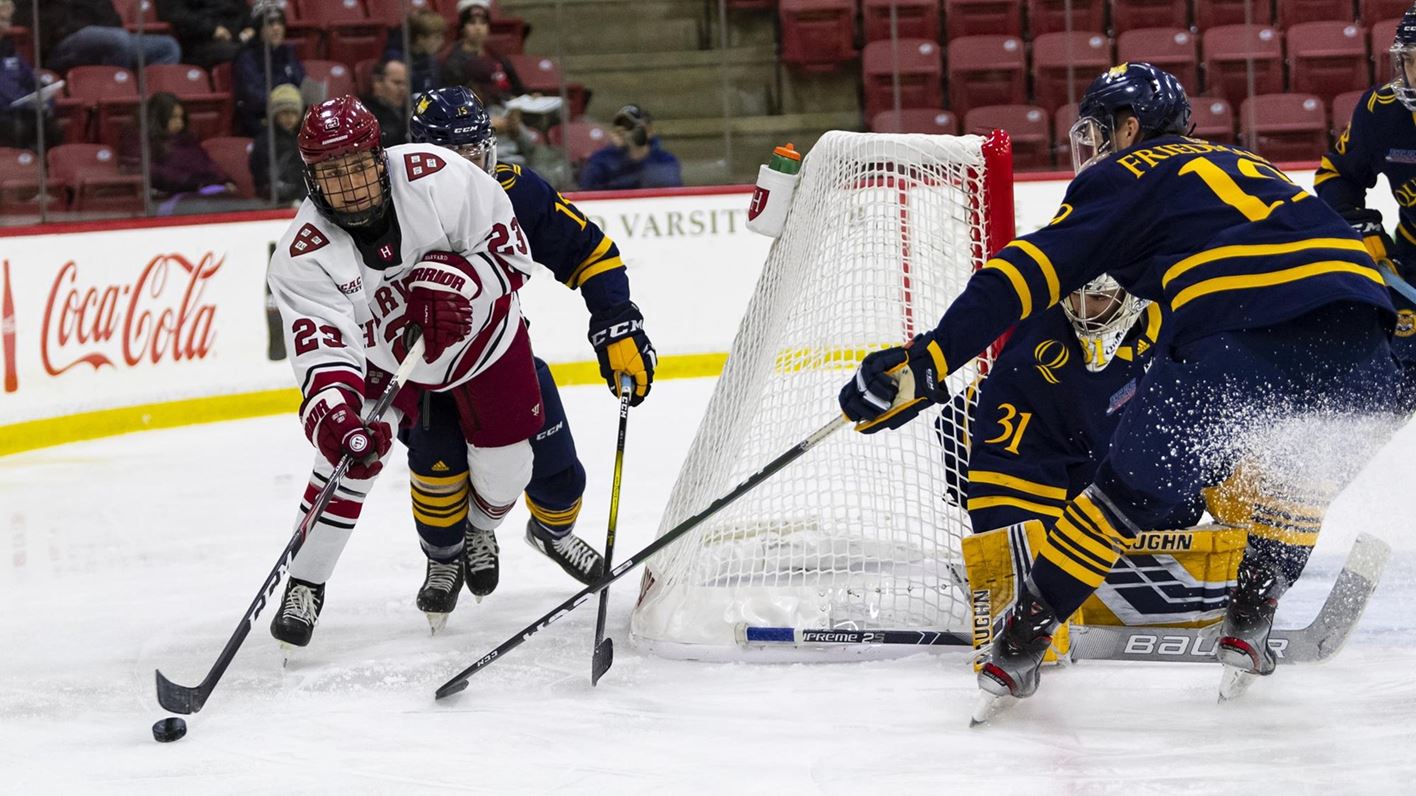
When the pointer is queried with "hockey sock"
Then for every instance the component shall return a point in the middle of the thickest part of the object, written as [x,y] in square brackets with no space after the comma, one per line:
[1077,554]
[1284,533]
[556,522]
[440,511]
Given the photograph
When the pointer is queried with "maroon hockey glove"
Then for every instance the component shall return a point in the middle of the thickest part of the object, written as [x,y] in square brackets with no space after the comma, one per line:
[332,424]
[441,287]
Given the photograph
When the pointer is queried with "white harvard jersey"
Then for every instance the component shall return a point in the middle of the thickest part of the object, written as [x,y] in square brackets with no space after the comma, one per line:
[338,312]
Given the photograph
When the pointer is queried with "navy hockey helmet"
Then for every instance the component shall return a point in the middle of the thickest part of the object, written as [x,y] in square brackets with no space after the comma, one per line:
[1149,93]
[453,118]
[1403,53]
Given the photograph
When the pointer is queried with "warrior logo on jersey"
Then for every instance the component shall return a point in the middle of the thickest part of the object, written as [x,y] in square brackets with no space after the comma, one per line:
[1051,355]
[421,164]
[308,239]
[1405,323]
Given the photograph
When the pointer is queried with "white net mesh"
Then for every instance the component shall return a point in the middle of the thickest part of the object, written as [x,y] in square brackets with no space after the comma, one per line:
[883,234]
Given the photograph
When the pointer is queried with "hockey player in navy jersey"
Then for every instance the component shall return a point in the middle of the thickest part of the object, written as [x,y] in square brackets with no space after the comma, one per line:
[582,257]
[1276,317]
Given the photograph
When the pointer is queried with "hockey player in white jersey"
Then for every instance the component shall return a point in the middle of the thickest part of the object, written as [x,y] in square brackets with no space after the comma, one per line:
[385,241]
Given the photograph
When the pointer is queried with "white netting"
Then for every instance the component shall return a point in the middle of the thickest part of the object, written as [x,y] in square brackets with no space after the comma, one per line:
[884,232]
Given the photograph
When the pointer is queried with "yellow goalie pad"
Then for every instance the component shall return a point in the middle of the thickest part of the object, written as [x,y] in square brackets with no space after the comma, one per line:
[997,562]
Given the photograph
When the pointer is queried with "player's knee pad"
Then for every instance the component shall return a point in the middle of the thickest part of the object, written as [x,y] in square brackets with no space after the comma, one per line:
[997,563]
[498,476]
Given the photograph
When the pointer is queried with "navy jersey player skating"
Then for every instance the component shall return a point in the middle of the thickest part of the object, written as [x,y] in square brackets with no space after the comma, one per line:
[1276,318]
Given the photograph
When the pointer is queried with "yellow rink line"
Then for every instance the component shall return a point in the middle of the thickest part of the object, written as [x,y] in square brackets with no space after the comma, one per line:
[33,434]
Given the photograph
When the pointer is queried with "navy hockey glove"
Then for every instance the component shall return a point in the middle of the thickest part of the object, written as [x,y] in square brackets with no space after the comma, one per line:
[622,347]
[440,289]
[1368,224]
[893,386]
[332,423]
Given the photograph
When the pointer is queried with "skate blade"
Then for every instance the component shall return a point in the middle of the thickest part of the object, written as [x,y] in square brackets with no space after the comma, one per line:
[988,707]
[436,621]
[1234,682]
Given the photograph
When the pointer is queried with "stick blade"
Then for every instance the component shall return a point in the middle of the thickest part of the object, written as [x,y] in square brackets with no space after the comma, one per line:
[451,687]
[602,661]
[178,698]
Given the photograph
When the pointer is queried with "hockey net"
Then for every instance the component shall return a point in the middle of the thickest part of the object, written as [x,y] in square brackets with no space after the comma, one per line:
[882,235]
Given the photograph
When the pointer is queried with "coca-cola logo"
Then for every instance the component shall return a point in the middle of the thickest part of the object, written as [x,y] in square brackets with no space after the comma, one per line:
[159,316]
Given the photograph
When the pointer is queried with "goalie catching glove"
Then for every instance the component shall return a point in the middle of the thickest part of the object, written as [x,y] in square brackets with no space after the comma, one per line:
[333,424]
[441,289]
[622,347]
[893,386]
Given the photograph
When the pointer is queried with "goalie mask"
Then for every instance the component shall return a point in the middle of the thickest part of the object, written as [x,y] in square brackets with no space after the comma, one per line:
[454,119]
[1403,58]
[1151,94]
[1101,312]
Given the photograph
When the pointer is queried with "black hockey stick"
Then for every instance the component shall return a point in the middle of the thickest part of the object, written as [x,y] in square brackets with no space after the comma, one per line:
[604,655]
[190,699]
[459,681]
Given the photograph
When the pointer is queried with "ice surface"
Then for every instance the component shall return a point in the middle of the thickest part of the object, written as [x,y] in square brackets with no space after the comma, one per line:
[126,554]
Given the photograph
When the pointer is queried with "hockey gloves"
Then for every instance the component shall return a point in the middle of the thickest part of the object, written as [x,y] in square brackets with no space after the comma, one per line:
[332,424]
[893,386]
[622,347]
[1368,224]
[439,301]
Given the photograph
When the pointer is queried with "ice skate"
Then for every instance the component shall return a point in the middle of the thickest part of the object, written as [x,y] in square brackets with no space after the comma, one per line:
[480,561]
[1243,639]
[573,554]
[1011,669]
[438,596]
[299,613]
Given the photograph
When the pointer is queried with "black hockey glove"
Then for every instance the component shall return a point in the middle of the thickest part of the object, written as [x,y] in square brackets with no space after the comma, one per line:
[893,386]
[622,347]
[1368,224]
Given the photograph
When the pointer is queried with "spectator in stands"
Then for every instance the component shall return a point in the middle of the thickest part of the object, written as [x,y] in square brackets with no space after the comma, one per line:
[388,101]
[176,161]
[81,32]
[427,33]
[19,127]
[286,111]
[250,80]
[634,160]
[211,32]
[475,65]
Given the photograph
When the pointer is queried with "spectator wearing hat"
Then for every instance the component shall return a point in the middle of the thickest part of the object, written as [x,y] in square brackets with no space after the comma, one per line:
[288,177]
[427,33]
[81,32]
[210,31]
[251,82]
[634,160]
[472,63]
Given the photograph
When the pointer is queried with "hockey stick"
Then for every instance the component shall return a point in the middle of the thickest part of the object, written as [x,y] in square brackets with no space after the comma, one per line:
[604,655]
[190,699]
[459,681]
[1395,282]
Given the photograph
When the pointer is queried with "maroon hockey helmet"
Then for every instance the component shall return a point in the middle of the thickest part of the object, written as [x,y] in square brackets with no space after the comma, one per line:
[335,129]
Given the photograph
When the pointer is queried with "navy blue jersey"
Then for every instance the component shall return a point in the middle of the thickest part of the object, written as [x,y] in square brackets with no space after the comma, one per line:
[1379,140]
[1043,421]
[564,240]
[1216,235]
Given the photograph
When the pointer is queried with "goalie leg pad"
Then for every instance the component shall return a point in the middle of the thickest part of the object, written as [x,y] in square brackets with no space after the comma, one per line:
[998,562]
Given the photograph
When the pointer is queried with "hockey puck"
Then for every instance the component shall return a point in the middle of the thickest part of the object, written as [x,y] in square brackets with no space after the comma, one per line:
[169,729]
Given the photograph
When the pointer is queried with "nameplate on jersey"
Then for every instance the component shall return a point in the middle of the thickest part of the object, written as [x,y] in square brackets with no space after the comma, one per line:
[421,164]
[308,239]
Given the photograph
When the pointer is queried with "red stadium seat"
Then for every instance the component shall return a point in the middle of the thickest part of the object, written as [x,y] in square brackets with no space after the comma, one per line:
[917,62]
[304,35]
[1383,34]
[1327,58]
[1064,64]
[1213,118]
[1171,49]
[986,70]
[982,18]
[389,13]
[1050,16]
[110,94]
[1026,125]
[19,183]
[221,77]
[23,39]
[89,173]
[1135,14]
[335,76]
[208,112]
[817,34]
[1228,51]
[931,121]
[364,76]
[1213,13]
[914,19]
[508,35]
[1285,127]
[1062,122]
[130,11]
[581,139]
[1372,11]
[542,75]
[349,34]
[1342,107]
[233,155]
[1292,12]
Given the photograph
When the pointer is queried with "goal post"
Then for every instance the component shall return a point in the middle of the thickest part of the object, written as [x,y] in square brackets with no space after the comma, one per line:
[883,234]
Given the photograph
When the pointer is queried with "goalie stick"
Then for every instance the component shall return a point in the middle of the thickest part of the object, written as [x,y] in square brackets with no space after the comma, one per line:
[190,699]
[1317,642]
[459,681]
[604,655]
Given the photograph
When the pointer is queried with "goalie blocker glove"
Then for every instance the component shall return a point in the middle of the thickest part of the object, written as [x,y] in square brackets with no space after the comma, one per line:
[332,424]
[872,399]
[622,347]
